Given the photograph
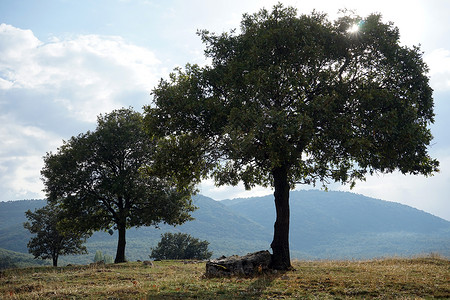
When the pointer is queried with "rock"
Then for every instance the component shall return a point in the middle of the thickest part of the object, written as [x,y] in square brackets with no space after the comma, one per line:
[250,264]
[147,263]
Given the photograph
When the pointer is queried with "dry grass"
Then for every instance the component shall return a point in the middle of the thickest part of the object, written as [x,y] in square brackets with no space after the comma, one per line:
[419,278]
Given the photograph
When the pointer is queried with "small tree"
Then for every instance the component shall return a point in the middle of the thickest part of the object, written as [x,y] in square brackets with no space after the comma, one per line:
[180,246]
[98,256]
[108,179]
[50,241]
[108,259]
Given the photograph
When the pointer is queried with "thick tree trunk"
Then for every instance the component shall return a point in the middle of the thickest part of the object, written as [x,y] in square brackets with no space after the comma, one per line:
[281,259]
[120,255]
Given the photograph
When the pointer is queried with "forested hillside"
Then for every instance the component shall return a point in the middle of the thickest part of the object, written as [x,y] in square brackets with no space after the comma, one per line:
[348,225]
[11,259]
[227,232]
[324,225]
[12,216]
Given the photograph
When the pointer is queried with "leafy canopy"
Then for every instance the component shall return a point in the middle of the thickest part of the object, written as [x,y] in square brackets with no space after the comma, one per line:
[180,246]
[302,93]
[109,178]
[50,242]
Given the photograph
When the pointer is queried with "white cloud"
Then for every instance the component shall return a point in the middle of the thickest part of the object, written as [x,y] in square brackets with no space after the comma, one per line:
[90,71]
[50,91]
[15,43]
[439,63]
[20,140]
[20,177]
[21,151]
[208,188]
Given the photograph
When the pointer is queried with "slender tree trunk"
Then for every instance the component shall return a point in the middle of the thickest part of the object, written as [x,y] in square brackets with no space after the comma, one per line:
[55,259]
[281,259]
[120,255]
[55,255]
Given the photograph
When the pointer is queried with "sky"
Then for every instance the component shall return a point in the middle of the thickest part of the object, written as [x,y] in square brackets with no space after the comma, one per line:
[64,62]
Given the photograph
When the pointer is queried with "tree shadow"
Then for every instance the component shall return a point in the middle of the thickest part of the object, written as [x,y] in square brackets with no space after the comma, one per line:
[263,281]
[254,290]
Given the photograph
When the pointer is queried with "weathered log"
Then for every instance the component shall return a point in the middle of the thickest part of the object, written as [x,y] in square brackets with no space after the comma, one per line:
[250,264]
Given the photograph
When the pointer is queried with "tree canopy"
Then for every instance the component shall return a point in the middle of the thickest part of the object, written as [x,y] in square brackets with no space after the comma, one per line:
[50,241]
[180,246]
[109,179]
[294,99]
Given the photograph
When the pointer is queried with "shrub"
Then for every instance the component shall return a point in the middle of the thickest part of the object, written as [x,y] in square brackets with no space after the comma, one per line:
[180,246]
[98,256]
[108,259]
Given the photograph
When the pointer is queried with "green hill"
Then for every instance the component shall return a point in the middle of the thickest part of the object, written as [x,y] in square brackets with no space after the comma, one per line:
[348,225]
[227,232]
[12,216]
[10,259]
[337,225]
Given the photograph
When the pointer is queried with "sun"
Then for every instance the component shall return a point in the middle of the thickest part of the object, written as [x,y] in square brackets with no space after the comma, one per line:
[353,29]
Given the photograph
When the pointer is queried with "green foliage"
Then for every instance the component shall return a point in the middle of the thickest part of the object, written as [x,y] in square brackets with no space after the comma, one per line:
[302,92]
[50,242]
[180,246]
[98,256]
[11,259]
[298,99]
[108,259]
[7,263]
[108,179]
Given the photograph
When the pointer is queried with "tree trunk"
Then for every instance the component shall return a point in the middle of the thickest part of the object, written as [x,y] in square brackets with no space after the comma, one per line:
[55,259]
[280,245]
[120,255]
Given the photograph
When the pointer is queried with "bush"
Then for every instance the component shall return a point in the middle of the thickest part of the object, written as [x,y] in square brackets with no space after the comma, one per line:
[98,256]
[180,246]
[7,263]
[108,259]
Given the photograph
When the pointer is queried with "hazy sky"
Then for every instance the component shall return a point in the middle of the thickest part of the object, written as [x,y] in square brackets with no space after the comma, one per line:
[64,62]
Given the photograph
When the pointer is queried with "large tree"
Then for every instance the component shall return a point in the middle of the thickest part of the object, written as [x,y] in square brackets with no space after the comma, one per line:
[108,179]
[50,241]
[293,99]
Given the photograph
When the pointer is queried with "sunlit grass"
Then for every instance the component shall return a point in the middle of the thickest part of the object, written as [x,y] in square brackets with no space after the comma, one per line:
[426,277]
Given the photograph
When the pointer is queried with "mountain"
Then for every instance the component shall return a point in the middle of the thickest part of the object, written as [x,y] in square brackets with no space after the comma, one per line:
[12,216]
[324,225]
[227,232]
[348,225]
[11,259]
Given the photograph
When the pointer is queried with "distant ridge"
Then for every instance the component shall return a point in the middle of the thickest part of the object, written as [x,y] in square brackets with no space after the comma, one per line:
[324,225]
[347,225]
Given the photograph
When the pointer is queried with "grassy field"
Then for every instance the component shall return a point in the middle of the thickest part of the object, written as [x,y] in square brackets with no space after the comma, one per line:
[417,278]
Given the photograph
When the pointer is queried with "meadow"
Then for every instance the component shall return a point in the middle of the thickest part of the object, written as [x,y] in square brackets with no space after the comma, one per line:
[414,278]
